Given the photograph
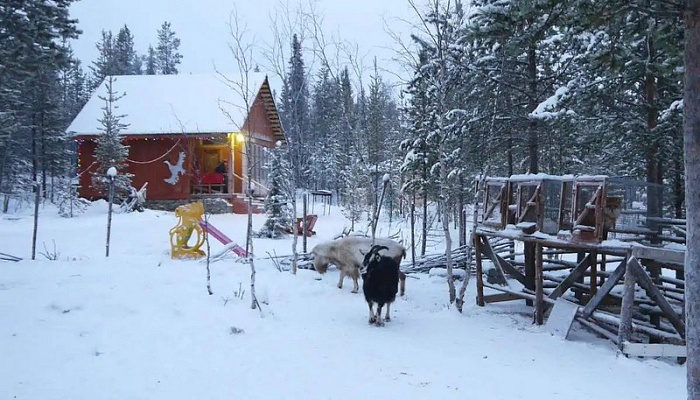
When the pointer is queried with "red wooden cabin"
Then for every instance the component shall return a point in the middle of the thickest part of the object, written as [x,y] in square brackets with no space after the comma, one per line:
[180,127]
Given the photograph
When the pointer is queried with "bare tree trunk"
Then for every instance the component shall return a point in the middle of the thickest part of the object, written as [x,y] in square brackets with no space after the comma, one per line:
[425,223]
[305,208]
[249,236]
[413,230]
[691,112]
[445,209]
[509,153]
[295,255]
[678,189]
[533,140]
[206,240]
[378,206]
[37,199]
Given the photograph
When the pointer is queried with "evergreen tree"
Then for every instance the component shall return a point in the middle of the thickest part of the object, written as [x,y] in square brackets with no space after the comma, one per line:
[166,52]
[31,58]
[110,151]
[327,124]
[277,208]
[125,58]
[105,64]
[150,62]
[294,113]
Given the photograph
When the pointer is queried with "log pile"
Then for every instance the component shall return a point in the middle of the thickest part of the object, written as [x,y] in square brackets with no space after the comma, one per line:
[462,257]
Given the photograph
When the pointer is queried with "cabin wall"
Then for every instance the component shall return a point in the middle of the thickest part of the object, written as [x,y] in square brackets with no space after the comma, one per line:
[259,125]
[149,156]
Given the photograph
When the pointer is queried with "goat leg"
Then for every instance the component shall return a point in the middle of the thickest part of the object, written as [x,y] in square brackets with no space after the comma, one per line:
[342,276]
[378,320]
[388,316]
[372,317]
[355,285]
[402,284]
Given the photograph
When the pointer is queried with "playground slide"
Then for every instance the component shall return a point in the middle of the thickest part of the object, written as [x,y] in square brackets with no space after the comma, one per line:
[225,240]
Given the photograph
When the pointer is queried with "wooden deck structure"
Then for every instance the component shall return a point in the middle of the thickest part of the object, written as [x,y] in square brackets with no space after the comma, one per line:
[553,220]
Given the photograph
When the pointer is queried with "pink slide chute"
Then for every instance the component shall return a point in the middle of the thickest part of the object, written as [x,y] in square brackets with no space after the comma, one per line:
[225,240]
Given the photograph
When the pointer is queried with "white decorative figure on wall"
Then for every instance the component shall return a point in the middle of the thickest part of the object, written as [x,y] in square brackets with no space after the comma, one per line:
[176,170]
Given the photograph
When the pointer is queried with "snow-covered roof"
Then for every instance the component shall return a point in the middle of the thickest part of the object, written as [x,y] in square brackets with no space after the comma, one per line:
[173,104]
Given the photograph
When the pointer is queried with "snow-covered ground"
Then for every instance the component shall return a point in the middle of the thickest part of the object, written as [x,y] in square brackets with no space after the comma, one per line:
[139,325]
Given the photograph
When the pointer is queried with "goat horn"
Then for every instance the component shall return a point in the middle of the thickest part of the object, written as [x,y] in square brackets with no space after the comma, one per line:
[377,248]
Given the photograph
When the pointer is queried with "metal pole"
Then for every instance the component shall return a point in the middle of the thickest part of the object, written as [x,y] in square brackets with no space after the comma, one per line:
[109,213]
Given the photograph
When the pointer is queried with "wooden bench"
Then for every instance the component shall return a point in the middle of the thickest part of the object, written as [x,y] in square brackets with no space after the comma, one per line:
[310,222]
[212,182]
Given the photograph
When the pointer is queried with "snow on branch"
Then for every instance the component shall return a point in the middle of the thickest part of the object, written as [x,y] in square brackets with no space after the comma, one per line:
[548,108]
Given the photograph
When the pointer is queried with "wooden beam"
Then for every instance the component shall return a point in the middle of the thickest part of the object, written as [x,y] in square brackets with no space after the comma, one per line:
[593,287]
[597,329]
[522,295]
[653,350]
[539,294]
[625,327]
[499,297]
[655,294]
[549,241]
[657,254]
[500,262]
[575,274]
[604,290]
[479,272]
[529,258]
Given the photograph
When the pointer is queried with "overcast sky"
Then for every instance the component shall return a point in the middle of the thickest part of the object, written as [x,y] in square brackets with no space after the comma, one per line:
[202,26]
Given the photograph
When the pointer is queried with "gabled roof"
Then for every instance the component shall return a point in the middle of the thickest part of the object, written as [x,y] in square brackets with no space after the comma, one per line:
[176,104]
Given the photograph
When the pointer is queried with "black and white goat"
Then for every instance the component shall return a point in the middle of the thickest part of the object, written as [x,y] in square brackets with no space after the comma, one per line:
[380,281]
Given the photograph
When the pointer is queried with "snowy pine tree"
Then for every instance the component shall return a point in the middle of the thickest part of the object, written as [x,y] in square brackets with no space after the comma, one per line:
[126,60]
[294,113]
[277,203]
[31,60]
[150,62]
[110,151]
[327,122]
[166,52]
[105,64]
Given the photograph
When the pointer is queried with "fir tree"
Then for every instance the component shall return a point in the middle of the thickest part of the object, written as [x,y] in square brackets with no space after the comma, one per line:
[150,62]
[110,151]
[166,52]
[31,58]
[327,125]
[294,112]
[125,58]
[279,213]
[105,64]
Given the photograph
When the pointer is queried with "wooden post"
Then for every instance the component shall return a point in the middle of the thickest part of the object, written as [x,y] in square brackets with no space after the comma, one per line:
[529,268]
[604,290]
[593,285]
[580,256]
[539,292]
[655,272]
[479,271]
[625,330]
[305,203]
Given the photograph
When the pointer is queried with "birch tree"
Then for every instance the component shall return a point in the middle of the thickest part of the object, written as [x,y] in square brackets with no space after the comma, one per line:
[440,31]
[241,49]
[691,111]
